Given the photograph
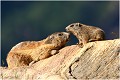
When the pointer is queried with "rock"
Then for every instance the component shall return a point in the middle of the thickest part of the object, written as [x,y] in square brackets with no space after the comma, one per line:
[98,60]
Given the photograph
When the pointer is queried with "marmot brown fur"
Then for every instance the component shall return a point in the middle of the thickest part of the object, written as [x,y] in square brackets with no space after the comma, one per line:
[25,52]
[85,33]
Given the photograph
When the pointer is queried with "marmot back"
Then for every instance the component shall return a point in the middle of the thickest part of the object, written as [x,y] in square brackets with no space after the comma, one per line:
[25,52]
[86,33]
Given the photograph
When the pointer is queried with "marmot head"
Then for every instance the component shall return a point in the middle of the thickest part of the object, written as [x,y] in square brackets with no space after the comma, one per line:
[58,38]
[73,27]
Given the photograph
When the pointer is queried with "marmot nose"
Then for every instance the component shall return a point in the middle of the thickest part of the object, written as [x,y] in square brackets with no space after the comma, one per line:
[67,28]
[67,34]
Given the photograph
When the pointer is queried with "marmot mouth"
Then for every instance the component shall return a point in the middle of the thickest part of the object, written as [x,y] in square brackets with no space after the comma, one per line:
[69,32]
[68,36]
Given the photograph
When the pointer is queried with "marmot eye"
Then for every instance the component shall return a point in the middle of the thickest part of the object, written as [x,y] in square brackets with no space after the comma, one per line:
[71,25]
[60,34]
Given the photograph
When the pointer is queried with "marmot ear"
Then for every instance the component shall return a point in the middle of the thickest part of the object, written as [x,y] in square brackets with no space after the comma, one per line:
[49,40]
[80,24]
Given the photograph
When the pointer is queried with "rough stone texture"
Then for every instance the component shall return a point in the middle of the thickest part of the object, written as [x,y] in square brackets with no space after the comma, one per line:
[96,60]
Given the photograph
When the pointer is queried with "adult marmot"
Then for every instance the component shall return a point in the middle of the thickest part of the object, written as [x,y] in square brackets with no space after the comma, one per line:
[25,52]
[85,33]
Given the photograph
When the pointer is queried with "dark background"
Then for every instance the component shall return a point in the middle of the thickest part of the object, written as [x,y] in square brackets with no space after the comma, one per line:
[33,21]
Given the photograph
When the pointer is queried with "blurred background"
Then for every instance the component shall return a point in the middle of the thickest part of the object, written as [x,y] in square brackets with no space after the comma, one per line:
[35,20]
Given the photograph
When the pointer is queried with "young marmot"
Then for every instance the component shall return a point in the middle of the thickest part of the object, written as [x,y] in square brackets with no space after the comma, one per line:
[85,33]
[25,52]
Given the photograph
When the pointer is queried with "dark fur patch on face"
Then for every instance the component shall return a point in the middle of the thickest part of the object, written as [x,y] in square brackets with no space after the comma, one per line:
[71,25]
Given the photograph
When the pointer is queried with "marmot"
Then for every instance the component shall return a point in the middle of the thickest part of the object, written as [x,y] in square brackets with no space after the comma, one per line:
[25,52]
[85,33]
